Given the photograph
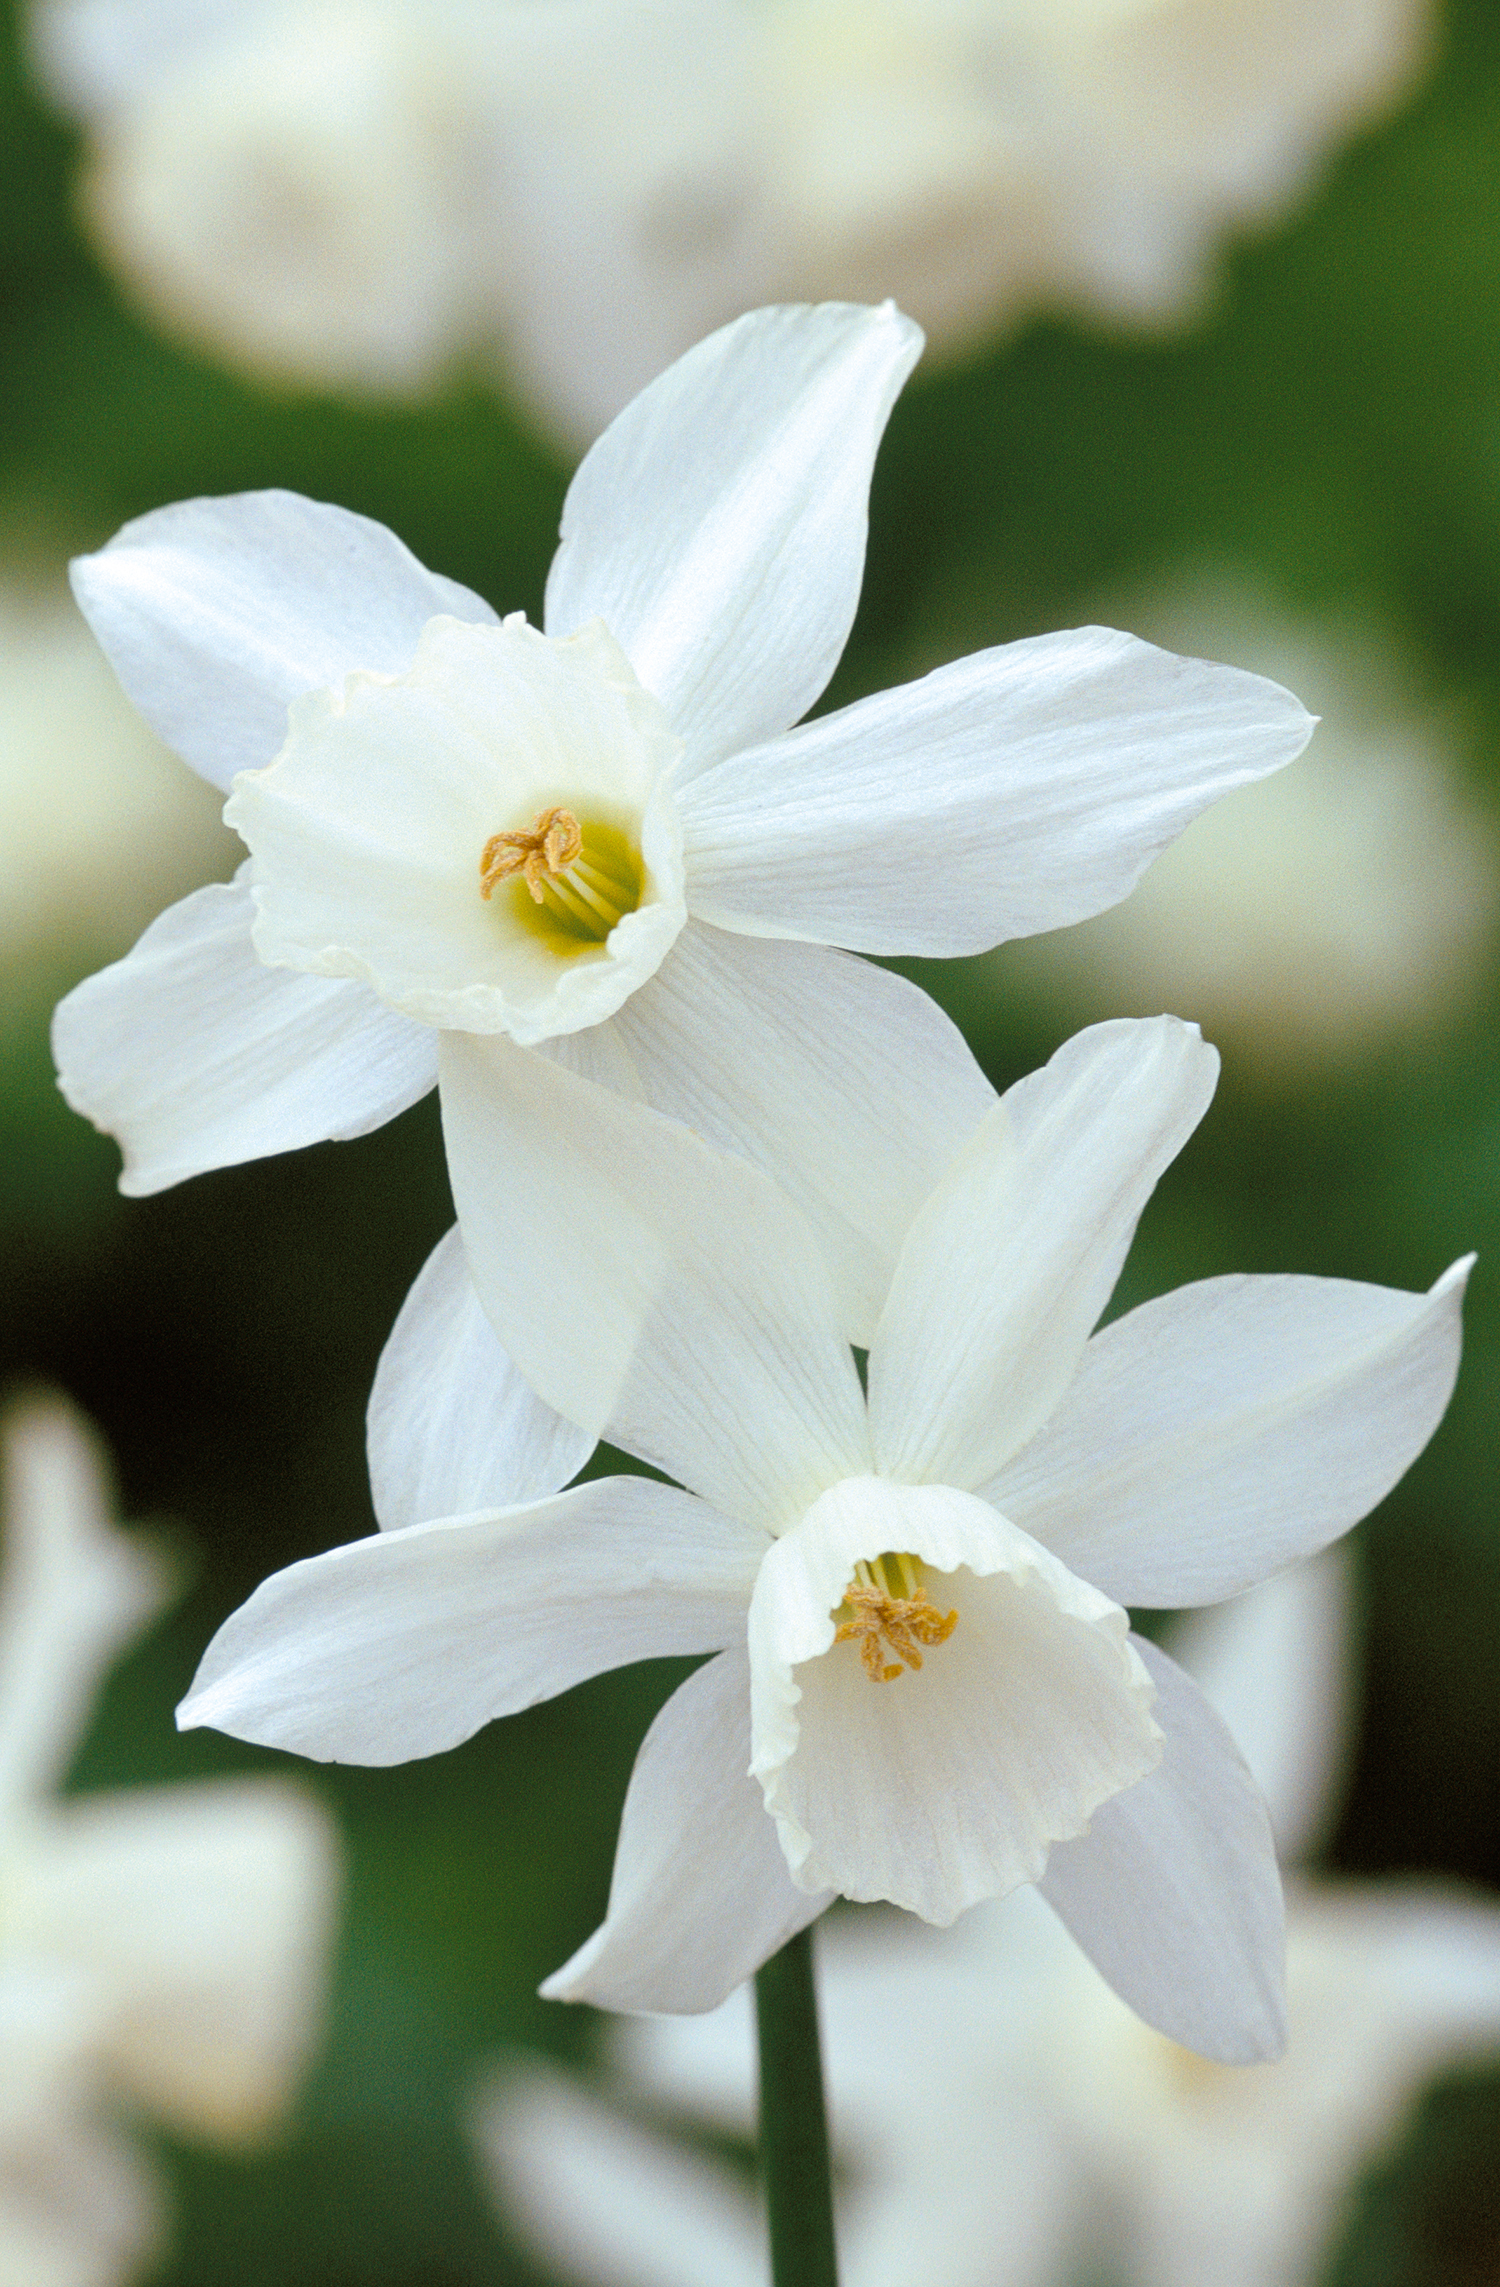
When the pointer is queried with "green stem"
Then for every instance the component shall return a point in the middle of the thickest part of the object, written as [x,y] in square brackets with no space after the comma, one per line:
[793,2121]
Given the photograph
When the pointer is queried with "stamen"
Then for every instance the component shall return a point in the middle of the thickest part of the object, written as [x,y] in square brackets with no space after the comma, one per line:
[574,879]
[549,849]
[887,1603]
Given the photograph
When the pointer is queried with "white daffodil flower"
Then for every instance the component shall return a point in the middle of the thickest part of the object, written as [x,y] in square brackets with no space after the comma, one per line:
[166,1946]
[1035,2132]
[926,1688]
[603,840]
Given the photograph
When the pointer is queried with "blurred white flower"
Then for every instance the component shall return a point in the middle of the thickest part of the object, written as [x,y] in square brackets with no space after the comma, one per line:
[97,821]
[1026,2126]
[1311,918]
[358,193]
[166,1946]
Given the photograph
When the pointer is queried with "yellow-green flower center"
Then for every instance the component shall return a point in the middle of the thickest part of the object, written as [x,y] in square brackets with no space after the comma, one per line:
[569,880]
[887,1604]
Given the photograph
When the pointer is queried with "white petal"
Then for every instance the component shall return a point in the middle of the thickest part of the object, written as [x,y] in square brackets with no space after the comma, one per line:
[216,614]
[369,829]
[1221,1432]
[453,1426]
[204,1918]
[700,1895]
[1174,1894]
[79,2207]
[650,1288]
[718,525]
[846,1084]
[1011,792]
[407,1643]
[600,2197]
[74,1591]
[1278,1664]
[939,1788]
[193,1054]
[1009,1264]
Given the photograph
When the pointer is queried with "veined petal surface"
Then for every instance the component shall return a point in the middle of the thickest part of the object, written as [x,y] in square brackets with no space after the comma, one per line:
[1174,1894]
[193,1054]
[937,1788]
[652,1289]
[1013,791]
[453,1425]
[718,526]
[1218,1434]
[700,1895]
[847,1085]
[407,1643]
[1009,1264]
[216,614]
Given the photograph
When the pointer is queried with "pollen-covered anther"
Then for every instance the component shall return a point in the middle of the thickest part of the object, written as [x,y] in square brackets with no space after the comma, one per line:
[879,1617]
[551,846]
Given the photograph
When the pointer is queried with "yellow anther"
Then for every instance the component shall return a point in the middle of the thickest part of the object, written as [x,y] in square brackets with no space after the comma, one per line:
[548,850]
[878,1617]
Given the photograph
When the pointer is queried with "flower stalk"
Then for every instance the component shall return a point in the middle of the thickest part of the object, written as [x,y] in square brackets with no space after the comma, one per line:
[794,2154]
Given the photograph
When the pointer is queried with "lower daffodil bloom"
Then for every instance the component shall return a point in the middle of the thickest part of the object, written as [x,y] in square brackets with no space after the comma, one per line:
[926,1687]
[602,840]
[166,1945]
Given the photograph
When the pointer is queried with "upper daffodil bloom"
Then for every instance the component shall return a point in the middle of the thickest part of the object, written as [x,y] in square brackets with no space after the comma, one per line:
[602,838]
[927,1689]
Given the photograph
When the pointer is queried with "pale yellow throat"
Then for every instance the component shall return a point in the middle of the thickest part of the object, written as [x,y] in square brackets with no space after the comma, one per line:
[888,1607]
[573,880]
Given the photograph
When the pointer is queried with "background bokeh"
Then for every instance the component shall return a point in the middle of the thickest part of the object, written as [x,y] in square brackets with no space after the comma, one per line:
[1325,443]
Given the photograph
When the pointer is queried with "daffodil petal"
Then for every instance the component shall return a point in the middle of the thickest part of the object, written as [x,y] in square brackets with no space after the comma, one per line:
[1014,791]
[406,1643]
[1174,1894]
[718,525]
[216,614]
[453,1426]
[949,1782]
[847,1085]
[192,1054]
[204,1917]
[1009,1264]
[1223,1431]
[652,1289]
[701,1895]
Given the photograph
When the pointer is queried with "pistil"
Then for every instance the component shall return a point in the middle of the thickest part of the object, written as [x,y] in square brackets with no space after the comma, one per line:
[887,1604]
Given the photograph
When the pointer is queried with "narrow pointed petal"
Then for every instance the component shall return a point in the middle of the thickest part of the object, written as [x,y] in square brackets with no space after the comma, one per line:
[1014,791]
[652,1289]
[718,526]
[1222,1432]
[701,1895]
[1174,1894]
[1008,1266]
[203,1918]
[407,1643]
[193,1054]
[948,1783]
[847,1085]
[453,1425]
[216,614]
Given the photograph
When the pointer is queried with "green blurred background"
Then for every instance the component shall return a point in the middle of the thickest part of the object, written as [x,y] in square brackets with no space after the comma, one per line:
[1330,437]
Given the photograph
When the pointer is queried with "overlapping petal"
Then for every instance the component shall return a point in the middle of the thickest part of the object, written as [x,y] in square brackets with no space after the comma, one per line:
[649,1287]
[406,1643]
[1174,1893]
[846,1084]
[940,1787]
[216,614]
[1007,1267]
[194,1055]
[453,1426]
[1011,792]
[700,1895]
[1225,1430]
[718,525]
